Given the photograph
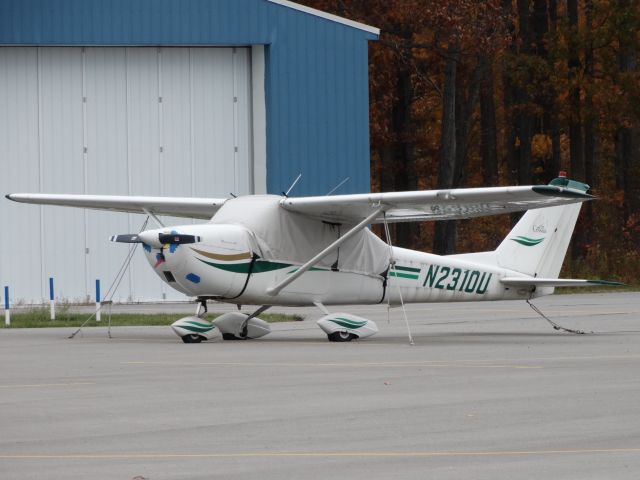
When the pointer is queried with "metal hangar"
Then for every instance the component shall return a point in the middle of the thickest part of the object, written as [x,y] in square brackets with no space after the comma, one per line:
[202,98]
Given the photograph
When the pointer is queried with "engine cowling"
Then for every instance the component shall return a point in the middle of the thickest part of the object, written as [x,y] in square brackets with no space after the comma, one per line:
[201,260]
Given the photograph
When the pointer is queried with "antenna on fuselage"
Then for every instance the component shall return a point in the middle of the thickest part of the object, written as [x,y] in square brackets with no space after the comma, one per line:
[338,186]
[292,185]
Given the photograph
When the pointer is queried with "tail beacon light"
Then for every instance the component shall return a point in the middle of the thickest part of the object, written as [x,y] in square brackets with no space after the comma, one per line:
[344,327]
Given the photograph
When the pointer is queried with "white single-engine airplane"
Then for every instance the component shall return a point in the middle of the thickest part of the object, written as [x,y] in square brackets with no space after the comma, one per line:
[275,250]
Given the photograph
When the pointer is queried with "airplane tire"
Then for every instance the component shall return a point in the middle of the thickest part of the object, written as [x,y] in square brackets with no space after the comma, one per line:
[231,336]
[341,337]
[193,338]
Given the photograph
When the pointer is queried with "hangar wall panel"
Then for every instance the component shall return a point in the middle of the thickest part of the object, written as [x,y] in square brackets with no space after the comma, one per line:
[20,256]
[61,141]
[113,120]
[310,85]
[143,132]
[316,70]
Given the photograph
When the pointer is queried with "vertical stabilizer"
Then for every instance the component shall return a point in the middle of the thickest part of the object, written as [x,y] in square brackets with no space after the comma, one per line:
[538,243]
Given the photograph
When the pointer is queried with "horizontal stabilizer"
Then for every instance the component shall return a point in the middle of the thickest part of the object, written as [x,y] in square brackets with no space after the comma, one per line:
[555,282]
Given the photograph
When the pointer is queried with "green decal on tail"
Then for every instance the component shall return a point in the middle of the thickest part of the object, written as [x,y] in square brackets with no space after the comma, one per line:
[527,242]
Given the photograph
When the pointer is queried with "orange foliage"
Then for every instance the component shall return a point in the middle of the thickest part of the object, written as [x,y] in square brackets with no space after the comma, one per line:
[413,44]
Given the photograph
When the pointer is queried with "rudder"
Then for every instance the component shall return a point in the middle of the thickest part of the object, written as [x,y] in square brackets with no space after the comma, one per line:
[538,243]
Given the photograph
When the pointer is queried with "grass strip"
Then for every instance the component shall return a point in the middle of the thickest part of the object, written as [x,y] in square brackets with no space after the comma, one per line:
[39,318]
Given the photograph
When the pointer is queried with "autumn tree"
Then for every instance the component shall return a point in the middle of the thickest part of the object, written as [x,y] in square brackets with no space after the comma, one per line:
[469,93]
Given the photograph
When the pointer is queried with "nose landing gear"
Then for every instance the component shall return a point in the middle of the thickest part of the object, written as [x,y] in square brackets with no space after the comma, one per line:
[232,325]
[195,329]
[341,337]
[193,338]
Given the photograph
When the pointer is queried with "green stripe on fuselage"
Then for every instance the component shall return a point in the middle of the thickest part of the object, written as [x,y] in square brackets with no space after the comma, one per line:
[406,269]
[259,266]
[403,275]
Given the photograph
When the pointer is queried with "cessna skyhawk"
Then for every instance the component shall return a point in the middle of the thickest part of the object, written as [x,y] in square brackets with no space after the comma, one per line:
[276,250]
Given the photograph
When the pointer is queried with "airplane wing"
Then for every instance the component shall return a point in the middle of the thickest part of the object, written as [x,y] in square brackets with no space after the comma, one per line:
[555,282]
[201,208]
[431,205]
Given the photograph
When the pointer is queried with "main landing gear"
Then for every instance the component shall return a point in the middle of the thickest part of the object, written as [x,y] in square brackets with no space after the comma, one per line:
[341,336]
[232,325]
[339,327]
[344,327]
[240,326]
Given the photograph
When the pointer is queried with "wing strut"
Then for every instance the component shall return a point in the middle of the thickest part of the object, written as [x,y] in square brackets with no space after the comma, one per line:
[290,278]
[152,215]
[392,265]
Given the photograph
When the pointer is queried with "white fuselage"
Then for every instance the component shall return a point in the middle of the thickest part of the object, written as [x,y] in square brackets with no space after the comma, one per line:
[225,266]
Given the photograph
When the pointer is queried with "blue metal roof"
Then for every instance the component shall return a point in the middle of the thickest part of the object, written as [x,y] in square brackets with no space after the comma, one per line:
[316,70]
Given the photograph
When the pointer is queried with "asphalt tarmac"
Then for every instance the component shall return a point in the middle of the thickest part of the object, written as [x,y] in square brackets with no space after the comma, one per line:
[488,391]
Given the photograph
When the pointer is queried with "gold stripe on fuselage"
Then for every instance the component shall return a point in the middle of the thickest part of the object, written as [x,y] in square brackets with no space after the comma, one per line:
[225,258]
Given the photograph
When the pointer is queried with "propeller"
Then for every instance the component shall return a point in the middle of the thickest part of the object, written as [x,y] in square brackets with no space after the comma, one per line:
[127,238]
[156,239]
[177,238]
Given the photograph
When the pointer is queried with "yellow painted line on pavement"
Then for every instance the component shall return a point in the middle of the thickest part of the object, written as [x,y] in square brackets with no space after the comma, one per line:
[340,365]
[490,363]
[39,385]
[552,309]
[424,454]
[564,358]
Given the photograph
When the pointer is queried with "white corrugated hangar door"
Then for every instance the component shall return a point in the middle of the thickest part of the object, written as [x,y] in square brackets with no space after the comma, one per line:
[110,120]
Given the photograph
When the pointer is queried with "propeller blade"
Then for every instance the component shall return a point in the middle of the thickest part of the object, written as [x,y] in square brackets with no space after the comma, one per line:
[127,238]
[155,239]
[177,238]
